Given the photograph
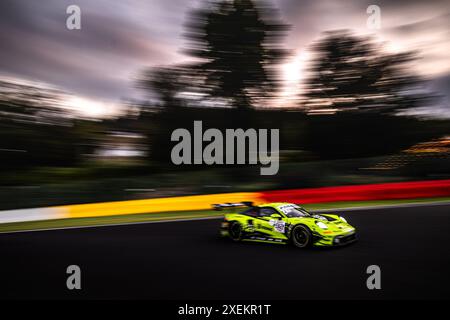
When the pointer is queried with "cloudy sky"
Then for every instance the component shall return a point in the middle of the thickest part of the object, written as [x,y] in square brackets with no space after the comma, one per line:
[119,38]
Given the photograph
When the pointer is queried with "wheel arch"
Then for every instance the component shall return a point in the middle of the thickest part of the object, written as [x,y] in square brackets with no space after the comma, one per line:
[299,224]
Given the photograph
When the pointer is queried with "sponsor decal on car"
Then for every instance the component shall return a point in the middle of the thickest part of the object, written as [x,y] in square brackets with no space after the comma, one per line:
[287,208]
[278,226]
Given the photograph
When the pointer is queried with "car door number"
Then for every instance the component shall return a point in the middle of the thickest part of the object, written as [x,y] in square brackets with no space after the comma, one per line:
[278,225]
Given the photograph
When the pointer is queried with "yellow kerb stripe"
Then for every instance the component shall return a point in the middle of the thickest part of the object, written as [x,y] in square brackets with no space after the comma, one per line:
[189,203]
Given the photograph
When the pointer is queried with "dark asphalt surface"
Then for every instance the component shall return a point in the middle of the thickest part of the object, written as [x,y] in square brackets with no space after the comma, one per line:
[186,260]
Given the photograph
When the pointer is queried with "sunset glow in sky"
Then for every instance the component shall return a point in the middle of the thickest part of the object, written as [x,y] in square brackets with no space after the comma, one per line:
[119,38]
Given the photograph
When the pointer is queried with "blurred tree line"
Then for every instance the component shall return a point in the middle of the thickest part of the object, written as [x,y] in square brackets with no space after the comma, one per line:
[355,102]
[36,131]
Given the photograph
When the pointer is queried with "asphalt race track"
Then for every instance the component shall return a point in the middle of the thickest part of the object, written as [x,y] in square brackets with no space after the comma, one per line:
[187,260]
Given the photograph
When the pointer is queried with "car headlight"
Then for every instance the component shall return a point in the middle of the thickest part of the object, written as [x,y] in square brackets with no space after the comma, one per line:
[343,219]
[321,225]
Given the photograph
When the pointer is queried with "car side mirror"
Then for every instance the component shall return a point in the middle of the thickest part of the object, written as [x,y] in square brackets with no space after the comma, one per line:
[276,216]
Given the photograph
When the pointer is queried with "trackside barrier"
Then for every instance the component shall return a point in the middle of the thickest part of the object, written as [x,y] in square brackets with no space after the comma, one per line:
[37,214]
[190,203]
[385,191]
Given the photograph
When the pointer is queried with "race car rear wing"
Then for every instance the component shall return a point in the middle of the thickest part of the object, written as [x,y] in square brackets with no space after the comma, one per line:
[222,206]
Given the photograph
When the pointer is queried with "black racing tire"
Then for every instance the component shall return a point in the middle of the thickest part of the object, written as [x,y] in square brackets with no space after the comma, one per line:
[301,236]
[235,231]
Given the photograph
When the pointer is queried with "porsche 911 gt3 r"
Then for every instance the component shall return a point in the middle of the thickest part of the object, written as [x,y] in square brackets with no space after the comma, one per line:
[285,223]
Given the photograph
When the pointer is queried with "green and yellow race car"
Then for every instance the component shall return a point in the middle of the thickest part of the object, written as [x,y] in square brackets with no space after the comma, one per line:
[285,223]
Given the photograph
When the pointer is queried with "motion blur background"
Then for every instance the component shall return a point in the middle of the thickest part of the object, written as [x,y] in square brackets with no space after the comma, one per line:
[86,115]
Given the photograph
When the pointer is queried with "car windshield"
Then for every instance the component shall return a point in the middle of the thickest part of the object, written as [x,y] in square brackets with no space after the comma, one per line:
[292,211]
